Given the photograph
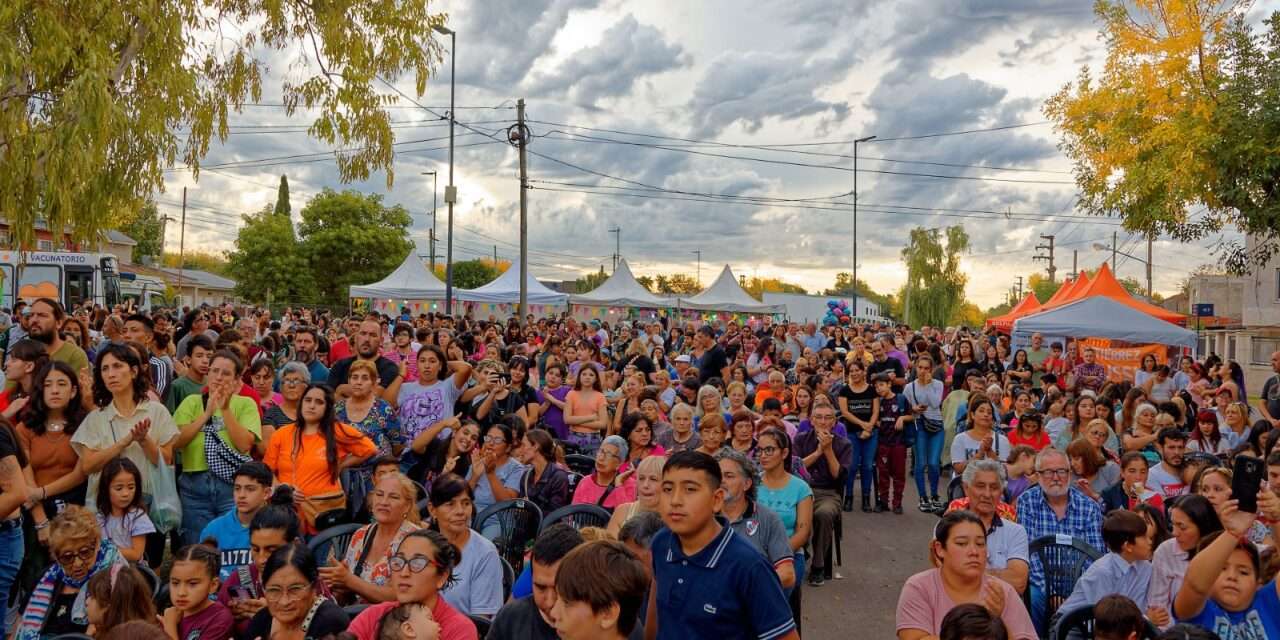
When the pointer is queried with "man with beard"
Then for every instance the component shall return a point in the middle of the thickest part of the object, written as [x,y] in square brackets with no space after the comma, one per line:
[46,318]
[368,343]
[1054,507]
[142,330]
[754,521]
[1166,477]
[1007,555]
[305,342]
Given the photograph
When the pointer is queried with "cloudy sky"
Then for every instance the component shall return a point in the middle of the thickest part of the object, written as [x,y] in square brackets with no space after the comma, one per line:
[666,119]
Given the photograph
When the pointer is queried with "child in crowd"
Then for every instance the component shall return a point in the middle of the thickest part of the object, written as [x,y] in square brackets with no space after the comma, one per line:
[251,486]
[192,579]
[891,449]
[115,597]
[1125,570]
[1022,471]
[1117,618]
[409,621]
[122,515]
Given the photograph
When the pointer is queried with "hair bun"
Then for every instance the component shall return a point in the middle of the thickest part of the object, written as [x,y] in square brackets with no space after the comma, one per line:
[282,496]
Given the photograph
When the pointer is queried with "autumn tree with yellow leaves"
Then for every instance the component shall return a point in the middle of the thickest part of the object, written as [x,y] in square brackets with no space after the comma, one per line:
[1179,133]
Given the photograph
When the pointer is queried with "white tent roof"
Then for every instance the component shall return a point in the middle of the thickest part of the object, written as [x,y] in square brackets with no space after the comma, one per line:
[725,295]
[621,290]
[412,280]
[1103,317]
[505,289]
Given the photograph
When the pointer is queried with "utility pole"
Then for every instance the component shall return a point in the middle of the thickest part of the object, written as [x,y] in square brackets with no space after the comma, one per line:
[519,136]
[854,281]
[432,233]
[1150,240]
[1019,294]
[495,256]
[182,243]
[450,191]
[1075,259]
[698,252]
[617,251]
[1052,268]
[742,281]
[1115,239]
[164,228]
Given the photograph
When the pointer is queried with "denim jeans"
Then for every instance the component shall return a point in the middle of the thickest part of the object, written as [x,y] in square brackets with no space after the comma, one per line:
[204,497]
[864,459]
[928,455]
[11,552]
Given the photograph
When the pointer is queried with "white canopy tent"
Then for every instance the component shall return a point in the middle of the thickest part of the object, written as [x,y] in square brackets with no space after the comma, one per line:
[412,280]
[505,289]
[621,290]
[726,295]
[1103,317]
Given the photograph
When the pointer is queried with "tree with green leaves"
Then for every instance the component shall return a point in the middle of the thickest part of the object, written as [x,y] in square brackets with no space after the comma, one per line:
[591,280]
[677,283]
[283,208]
[147,229]
[472,273]
[1177,135]
[98,99]
[352,238]
[934,291]
[215,263]
[844,287]
[268,262]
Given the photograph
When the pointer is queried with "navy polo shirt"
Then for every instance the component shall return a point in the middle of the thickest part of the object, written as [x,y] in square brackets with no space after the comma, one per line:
[728,590]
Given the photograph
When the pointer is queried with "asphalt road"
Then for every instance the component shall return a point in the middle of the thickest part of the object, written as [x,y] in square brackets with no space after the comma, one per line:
[881,550]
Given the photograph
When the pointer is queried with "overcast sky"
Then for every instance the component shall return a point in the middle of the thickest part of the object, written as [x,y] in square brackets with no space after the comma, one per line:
[692,77]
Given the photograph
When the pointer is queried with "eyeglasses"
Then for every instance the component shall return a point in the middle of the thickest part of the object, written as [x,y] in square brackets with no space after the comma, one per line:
[416,564]
[294,592]
[495,440]
[607,454]
[292,382]
[1055,473]
[767,451]
[85,554]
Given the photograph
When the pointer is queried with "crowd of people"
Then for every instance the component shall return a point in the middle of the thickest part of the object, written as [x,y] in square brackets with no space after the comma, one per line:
[208,444]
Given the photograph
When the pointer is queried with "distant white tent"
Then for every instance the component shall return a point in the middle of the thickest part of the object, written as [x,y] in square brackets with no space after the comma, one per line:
[506,290]
[1103,317]
[621,290]
[412,280]
[726,295]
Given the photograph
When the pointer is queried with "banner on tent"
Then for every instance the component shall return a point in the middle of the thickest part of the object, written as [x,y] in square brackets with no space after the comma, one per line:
[1123,359]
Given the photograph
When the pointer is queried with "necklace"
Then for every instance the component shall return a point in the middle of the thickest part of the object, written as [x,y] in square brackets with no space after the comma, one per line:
[55,427]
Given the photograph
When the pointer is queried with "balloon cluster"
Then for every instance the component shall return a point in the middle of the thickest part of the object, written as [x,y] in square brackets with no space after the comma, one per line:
[837,313]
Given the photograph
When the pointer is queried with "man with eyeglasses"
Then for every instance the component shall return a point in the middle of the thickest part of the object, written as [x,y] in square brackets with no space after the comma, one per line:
[1055,508]
[755,522]
[825,454]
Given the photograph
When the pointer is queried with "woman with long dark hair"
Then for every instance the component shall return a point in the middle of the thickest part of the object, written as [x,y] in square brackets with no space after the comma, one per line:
[23,360]
[48,423]
[127,422]
[1192,518]
[785,494]
[310,454]
[477,585]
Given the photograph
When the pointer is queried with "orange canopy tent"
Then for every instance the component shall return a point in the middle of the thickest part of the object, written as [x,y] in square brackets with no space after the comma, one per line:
[1027,306]
[1105,284]
[1067,291]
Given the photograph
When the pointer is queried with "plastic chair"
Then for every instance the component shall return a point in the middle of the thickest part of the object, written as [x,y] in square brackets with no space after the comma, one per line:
[152,578]
[520,521]
[1064,559]
[482,625]
[1079,624]
[332,518]
[955,489]
[73,636]
[332,541]
[837,533]
[580,464]
[578,516]
[508,579]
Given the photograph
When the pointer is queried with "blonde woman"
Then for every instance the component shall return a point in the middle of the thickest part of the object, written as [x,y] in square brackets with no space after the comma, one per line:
[1236,428]
[364,570]
[709,401]
[648,492]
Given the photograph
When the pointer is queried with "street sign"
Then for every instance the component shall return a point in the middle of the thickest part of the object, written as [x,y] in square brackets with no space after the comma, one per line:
[1204,309]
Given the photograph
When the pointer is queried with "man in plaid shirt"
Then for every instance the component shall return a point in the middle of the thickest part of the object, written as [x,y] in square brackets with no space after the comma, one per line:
[1056,508]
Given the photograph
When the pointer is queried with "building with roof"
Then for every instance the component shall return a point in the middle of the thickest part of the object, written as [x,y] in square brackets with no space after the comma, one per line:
[201,287]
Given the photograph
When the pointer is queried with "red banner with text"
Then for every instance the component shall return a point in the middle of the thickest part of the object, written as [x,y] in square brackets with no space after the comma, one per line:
[1123,359]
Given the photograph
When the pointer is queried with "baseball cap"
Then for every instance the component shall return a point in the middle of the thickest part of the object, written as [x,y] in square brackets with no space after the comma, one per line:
[683,358]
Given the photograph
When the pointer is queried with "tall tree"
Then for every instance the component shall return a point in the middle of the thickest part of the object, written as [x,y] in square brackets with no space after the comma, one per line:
[470,274]
[215,263]
[352,238]
[1184,115]
[844,287]
[758,286]
[147,229]
[268,262]
[935,285]
[283,208]
[97,99]
[677,283]
[645,281]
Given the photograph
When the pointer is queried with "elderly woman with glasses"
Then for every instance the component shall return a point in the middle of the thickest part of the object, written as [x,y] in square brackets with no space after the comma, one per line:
[606,487]
[294,607]
[57,604]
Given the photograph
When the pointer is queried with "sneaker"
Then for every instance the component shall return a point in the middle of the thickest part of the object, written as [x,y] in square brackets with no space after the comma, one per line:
[926,506]
[938,504]
[816,579]
[881,507]
[897,510]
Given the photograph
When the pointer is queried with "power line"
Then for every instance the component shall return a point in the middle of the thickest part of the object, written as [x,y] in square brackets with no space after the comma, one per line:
[961,133]
[279,105]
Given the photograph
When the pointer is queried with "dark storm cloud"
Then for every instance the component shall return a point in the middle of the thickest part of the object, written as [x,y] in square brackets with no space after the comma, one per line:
[500,41]
[628,51]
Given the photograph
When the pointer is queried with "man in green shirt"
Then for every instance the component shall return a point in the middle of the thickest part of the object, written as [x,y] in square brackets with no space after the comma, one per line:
[46,326]
[199,352]
[1036,355]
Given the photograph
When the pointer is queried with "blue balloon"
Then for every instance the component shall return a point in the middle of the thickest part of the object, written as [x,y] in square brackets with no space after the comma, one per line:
[831,304]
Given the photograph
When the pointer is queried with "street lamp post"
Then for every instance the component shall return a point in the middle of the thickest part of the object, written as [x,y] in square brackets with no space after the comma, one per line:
[450,191]
[433,218]
[1102,247]
[855,221]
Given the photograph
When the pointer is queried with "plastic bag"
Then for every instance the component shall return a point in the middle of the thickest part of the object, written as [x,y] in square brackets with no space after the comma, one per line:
[166,506]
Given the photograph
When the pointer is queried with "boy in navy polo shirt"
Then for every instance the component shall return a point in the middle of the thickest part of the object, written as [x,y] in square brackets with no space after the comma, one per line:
[711,582]
[251,487]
